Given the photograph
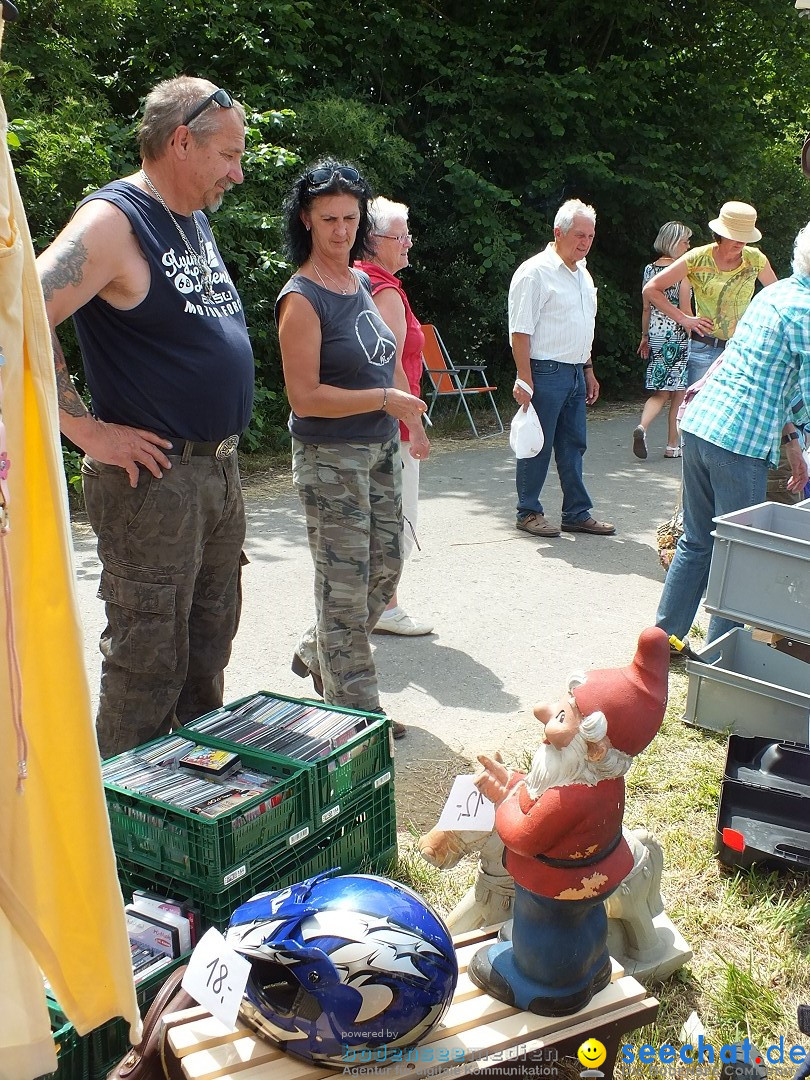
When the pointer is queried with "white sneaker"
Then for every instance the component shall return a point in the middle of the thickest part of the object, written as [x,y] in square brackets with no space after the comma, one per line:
[397,621]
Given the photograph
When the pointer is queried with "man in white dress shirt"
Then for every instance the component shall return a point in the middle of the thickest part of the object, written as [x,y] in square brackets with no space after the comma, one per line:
[552,310]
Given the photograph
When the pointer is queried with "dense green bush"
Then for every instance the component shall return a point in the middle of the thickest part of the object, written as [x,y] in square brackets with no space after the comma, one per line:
[481,116]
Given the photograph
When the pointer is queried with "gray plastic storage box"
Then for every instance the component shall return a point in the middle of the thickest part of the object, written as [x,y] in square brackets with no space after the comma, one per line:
[760,572]
[749,688]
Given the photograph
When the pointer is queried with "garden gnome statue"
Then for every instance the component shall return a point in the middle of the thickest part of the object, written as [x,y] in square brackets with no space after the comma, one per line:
[561,824]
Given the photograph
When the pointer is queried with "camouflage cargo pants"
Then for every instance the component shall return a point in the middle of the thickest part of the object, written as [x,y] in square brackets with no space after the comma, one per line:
[351,494]
[171,554]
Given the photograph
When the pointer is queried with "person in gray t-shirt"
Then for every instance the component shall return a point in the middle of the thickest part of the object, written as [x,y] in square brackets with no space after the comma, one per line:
[347,391]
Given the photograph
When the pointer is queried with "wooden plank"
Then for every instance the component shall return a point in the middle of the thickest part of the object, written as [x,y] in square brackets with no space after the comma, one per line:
[497,1030]
[476,937]
[229,1058]
[584,1028]
[283,1068]
[197,1034]
[474,1028]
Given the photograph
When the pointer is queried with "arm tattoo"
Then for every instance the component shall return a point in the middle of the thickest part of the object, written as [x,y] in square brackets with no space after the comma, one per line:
[66,269]
[69,400]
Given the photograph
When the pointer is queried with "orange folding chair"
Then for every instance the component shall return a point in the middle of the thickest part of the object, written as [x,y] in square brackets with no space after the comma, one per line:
[447,380]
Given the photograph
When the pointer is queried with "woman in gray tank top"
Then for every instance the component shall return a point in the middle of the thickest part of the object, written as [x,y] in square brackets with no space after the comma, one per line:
[347,391]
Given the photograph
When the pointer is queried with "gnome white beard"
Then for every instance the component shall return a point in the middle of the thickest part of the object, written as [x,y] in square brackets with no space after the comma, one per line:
[570,765]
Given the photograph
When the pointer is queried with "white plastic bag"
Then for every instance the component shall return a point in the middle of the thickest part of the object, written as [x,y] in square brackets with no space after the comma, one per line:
[525,432]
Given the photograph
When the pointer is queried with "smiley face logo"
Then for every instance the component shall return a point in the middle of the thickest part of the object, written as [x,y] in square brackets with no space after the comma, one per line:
[592,1054]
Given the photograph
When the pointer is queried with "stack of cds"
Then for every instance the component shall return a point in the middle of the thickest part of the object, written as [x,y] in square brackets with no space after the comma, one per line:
[146,961]
[292,729]
[199,779]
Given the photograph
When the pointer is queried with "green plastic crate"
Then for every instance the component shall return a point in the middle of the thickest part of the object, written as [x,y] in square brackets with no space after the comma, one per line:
[208,852]
[339,775]
[282,868]
[325,818]
[71,1048]
[361,837]
[108,1044]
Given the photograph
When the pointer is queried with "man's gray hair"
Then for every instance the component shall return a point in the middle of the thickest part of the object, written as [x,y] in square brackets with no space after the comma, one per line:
[669,236]
[383,211]
[801,252]
[564,219]
[167,106]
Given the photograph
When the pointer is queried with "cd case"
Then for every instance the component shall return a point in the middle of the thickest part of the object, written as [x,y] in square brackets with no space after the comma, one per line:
[210,760]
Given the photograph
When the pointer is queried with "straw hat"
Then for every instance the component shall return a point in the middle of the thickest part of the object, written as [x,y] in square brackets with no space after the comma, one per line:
[737,221]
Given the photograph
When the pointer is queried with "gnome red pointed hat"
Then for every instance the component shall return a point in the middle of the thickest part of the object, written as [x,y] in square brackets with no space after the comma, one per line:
[633,698]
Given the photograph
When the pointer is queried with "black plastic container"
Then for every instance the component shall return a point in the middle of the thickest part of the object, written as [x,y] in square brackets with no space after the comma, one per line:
[764,811]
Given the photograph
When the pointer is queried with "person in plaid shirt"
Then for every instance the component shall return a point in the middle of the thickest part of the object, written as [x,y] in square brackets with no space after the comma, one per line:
[733,429]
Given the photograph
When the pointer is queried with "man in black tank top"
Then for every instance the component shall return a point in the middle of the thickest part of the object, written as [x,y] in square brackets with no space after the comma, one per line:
[169,367]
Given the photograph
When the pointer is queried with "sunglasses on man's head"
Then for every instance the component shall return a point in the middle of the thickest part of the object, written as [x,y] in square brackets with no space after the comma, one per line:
[220,97]
[321,177]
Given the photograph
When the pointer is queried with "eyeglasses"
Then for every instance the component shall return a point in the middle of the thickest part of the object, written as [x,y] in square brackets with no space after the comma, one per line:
[403,238]
[321,177]
[221,97]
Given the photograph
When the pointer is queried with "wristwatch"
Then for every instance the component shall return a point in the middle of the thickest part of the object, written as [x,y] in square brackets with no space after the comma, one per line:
[791,435]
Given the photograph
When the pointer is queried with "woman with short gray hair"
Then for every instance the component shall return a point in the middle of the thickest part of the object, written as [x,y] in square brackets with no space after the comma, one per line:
[392,245]
[664,343]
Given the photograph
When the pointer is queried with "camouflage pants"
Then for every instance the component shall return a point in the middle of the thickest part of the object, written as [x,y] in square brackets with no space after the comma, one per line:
[171,554]
[351,494]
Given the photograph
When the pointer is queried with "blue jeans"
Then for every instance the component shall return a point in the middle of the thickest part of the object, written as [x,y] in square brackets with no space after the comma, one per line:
[559,400]
[715,482]
[701,358]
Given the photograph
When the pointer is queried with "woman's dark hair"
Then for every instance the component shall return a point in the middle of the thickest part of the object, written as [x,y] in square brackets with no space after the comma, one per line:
[304,193]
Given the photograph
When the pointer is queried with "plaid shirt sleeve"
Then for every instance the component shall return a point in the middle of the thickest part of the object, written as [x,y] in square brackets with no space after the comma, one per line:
[746,403]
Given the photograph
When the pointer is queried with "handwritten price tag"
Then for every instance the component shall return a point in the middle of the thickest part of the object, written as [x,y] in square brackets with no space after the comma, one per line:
[216,977]
[466,809]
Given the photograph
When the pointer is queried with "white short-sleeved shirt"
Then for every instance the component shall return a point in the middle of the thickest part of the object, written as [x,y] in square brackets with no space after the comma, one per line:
[555,306]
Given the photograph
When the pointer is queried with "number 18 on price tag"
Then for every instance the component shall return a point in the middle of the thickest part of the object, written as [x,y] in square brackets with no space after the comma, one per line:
[217,977]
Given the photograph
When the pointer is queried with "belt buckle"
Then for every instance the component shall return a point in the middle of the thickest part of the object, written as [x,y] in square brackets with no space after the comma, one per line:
[226,447]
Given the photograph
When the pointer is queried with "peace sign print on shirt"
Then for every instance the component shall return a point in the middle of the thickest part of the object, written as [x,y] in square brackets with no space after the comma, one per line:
[375,338]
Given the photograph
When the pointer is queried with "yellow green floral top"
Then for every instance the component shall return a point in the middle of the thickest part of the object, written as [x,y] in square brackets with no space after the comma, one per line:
[723,295]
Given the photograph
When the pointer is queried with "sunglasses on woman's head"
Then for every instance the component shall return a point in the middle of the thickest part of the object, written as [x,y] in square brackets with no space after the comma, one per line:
[220,97]
[321,177]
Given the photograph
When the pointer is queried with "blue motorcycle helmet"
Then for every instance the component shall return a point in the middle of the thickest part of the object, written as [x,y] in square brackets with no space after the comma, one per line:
[342,964]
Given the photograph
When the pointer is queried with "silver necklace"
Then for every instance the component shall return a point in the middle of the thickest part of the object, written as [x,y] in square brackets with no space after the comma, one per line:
[199,260]
[343,292]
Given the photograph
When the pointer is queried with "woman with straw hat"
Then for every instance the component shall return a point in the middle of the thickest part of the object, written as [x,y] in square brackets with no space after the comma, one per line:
[723,276]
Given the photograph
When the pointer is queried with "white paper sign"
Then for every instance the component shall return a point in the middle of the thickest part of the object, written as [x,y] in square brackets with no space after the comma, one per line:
[217,977]
[466,809]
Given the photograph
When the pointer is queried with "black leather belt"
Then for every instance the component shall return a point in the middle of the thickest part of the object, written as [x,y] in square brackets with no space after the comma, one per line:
[566,864]
[185,448]
[715,342]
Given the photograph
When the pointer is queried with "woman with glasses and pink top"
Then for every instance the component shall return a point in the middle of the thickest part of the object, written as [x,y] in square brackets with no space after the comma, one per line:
[347,390]
[392,243]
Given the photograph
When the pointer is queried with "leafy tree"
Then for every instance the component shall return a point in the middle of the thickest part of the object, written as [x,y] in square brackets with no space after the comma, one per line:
[482,116]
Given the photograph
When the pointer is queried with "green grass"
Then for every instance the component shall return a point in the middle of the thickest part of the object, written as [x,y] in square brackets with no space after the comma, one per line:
[749,931]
